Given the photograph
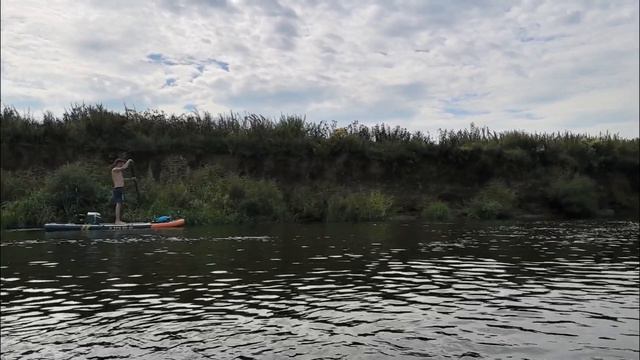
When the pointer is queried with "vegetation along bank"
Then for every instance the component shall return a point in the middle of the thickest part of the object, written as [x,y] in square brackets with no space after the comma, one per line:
[242,168]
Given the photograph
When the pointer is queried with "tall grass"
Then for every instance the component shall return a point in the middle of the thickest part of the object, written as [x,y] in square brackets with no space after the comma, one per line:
[285,167]
[478,154]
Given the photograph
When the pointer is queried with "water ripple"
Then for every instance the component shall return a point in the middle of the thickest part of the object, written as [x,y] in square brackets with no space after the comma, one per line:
[535,290]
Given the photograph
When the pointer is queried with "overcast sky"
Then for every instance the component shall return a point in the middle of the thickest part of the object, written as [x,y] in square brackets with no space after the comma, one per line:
[424,65]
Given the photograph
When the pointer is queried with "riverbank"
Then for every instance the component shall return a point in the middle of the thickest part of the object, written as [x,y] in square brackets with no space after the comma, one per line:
[212,195]
[236,169]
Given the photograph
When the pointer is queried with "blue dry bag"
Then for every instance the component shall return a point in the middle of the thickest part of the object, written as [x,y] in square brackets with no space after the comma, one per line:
[162,219]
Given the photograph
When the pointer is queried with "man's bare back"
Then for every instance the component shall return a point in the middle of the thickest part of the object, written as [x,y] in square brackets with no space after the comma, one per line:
[117,175]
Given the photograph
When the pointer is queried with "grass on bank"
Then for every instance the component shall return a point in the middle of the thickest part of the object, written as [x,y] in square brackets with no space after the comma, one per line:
[212,195]
[235,168]
[207,196]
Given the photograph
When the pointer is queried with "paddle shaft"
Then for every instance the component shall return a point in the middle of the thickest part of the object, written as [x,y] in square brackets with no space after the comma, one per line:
[135,182]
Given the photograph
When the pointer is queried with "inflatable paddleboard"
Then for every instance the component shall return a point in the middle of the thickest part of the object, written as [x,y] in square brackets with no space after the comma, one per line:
[128,226]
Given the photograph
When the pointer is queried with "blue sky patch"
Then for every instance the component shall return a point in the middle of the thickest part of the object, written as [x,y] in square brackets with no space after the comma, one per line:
[158,58]
[462,113]
[221,64]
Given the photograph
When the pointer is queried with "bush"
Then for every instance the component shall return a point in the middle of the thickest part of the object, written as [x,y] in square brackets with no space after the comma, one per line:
[487,210]
[167,199]
[73,189]
[15,185]
[495,201]
[307,204]
[32,211]
[191,199]
[362,206]
[211,198]
[437,210]
[622,196]
[256,199]
[575,197]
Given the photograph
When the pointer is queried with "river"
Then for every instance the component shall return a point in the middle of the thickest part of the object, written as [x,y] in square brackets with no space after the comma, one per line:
[508,290]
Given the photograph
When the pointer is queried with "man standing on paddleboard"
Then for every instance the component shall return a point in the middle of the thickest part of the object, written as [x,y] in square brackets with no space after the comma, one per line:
[117,174]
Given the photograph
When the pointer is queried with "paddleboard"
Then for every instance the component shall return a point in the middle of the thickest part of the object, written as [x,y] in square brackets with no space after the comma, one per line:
[128,226]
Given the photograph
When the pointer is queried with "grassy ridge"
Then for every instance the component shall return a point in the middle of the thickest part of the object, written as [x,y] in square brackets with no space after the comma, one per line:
[232,168]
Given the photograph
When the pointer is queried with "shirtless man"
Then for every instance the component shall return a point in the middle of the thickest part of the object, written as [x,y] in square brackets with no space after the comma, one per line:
[119,165]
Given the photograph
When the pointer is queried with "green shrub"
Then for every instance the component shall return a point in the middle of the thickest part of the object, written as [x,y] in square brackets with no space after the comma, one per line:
[487,209]
[363,206]
[211,198]
[167,198]
[10,186]
[379,205]
[436,210]
[257,199]
[196,199]
[495,201]
[32,211]
[622,196]
[73,189]
[574,197]
[307,204]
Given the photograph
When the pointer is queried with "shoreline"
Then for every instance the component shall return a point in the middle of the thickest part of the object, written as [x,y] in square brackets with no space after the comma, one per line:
[407,218]
[236,168]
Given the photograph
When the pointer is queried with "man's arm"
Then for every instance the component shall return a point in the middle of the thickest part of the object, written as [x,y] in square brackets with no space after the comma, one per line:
[123,167]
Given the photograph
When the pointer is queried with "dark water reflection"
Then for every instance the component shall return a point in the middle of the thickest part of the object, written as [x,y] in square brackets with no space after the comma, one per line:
[499,291]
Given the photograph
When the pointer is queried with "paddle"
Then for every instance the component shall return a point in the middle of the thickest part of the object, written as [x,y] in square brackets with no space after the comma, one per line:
[135,182]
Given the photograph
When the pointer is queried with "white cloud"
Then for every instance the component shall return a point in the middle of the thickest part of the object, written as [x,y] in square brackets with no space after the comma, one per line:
[424,65]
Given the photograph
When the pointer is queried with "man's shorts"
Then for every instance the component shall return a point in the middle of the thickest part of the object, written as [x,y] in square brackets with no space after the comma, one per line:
[118,195]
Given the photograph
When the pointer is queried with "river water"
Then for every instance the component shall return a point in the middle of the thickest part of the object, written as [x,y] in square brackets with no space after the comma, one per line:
[535,290]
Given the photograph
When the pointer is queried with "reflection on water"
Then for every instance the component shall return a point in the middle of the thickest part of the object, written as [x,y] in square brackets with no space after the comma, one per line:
[532,290]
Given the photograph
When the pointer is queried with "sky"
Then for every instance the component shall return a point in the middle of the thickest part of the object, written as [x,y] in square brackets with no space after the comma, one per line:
[532,65]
